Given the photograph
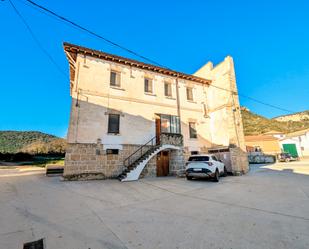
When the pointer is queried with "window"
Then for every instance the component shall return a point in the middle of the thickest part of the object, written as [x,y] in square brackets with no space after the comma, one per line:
[192,130]
[148,85]
[194,152]
[189,93]
[112,151]
[170,124]
[198,158]
[115,79]
[113,123]
[214,158]
[175,125]
[167,89]
[165,123]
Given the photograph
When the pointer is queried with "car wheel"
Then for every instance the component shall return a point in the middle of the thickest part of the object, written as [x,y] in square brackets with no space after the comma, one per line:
[224,172]
[287,160]
[189,178]
[216,177]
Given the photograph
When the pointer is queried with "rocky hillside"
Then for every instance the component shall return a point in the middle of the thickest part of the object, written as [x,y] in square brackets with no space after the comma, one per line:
[33,142]
[299,116]
[255,124]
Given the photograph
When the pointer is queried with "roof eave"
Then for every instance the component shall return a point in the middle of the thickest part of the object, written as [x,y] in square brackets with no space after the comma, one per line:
[76,49]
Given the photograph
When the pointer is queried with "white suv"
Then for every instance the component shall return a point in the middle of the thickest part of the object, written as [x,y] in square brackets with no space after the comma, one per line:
[205,166]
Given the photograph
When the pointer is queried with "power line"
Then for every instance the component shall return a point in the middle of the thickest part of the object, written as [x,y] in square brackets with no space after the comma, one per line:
[94,34]
[253,99]
[45,13]
[36,40]
[266,104]
[52,13]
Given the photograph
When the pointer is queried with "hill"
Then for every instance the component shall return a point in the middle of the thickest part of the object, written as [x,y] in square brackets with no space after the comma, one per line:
[32,142]
[299,116]
[255,124]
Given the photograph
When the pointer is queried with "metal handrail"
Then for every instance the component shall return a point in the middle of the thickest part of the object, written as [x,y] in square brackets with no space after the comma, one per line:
[139,152]
[129,160]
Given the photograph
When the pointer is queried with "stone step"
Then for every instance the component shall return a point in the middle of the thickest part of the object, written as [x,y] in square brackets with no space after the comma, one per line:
[54,170]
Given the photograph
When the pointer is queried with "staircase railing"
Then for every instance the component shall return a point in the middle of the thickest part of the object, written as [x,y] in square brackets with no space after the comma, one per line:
[140,152]
[163,138]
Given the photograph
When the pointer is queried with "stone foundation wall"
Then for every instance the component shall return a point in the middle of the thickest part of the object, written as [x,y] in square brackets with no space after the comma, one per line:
[151,168]
[90,161]
[177,161]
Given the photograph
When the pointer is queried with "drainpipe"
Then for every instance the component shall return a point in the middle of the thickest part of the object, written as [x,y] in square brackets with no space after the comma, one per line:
[178,102]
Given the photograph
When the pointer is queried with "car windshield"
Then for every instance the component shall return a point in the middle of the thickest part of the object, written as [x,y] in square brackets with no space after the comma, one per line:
[198,158]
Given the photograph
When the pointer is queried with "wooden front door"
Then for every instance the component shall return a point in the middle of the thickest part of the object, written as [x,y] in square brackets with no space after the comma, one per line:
[158,130]
[163,163]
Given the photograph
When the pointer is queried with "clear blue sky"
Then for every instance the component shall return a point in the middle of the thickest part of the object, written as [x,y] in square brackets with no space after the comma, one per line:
[269,41]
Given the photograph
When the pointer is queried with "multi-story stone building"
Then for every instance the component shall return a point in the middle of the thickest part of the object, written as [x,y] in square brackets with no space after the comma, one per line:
[130,118]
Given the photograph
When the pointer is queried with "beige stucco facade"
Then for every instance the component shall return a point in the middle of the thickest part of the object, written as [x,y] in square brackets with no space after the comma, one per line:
[215,111]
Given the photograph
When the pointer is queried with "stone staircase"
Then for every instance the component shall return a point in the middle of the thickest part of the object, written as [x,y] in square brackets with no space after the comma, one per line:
[133,172]
[137,161]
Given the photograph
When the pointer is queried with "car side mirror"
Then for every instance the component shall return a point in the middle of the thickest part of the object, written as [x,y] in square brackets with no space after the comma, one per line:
[220,161]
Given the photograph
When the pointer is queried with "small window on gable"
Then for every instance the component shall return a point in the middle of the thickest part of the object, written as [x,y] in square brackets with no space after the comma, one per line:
[189,93]
[113,123]
[167,89]
[148,87]
[115,79]
[192,130]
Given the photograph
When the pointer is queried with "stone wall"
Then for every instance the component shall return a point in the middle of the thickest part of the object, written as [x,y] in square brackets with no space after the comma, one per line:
[151,168]
[239,161]
[259,157]
[177,161]
[90,161]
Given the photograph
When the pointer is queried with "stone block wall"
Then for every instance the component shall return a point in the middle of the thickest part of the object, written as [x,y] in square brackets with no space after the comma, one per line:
[239,161]
[177,161]
[90,161]
[151,168]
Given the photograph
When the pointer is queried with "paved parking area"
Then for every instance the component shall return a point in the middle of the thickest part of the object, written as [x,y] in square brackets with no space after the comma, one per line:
[268,208]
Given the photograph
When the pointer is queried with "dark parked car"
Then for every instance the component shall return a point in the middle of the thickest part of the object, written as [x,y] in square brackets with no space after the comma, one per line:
[287,157]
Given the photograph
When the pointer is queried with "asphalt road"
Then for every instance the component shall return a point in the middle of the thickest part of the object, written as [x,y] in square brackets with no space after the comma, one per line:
[267,208]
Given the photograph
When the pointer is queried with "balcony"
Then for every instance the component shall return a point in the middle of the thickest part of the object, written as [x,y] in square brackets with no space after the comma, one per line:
[171,139]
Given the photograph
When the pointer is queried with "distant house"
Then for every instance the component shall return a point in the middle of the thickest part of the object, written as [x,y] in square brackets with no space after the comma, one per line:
[267,144]
[296,143]
[132,119]
[277,134]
